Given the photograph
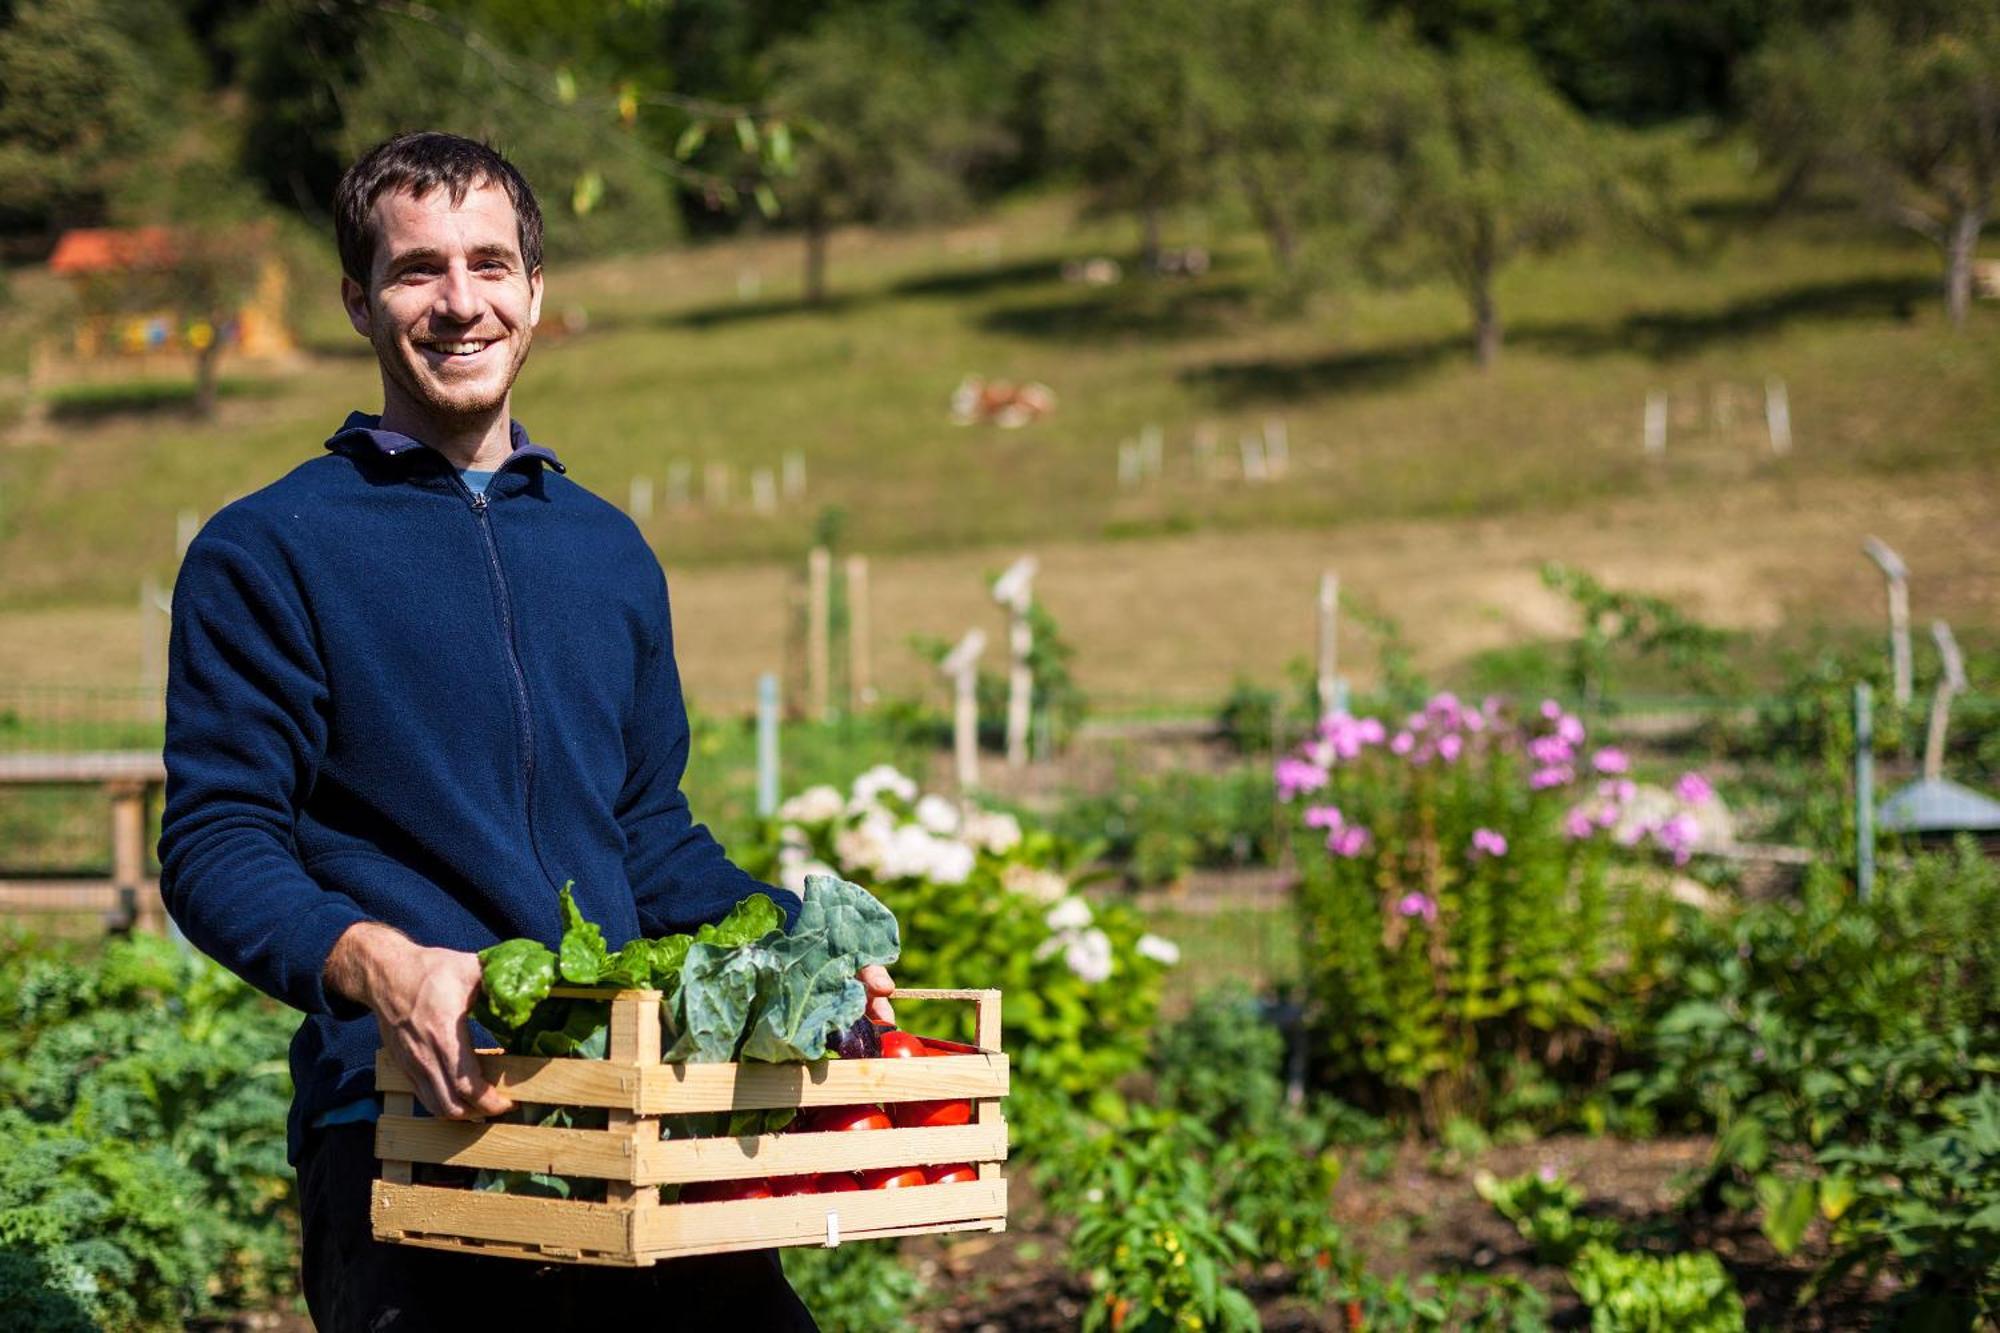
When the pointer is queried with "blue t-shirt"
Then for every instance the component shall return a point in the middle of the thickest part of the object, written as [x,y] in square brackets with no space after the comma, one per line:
[475,480]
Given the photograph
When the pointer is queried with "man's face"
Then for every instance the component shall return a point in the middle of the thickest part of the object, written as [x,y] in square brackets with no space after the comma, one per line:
[450,307]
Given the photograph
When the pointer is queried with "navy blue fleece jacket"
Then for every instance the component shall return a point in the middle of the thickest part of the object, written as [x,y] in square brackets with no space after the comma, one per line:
[390,699]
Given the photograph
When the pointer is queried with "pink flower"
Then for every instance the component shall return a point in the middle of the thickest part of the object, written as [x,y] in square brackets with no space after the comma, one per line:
[1474,721]
[1570,729]
[1369,731]
[1693,789]
[1550,750]
[1403,743]
[1324,816]
[1487,842]
[1296,775]
[1551,709]
[1544,778]
[1619,791]
[1577,824]
[1677,837]
[1610,760]
[1350,841]
[1450,746]
[1418,905]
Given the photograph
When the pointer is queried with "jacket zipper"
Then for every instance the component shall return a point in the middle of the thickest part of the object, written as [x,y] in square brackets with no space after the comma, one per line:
[524,713]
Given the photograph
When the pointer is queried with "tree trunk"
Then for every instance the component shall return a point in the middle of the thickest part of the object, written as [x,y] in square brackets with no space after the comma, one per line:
[1960,244]
[816,235]
[208,376]
[1149,237]
[1485,320]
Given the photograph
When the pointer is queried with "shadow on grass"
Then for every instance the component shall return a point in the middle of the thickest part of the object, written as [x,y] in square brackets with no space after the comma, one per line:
[1659,335]
[744,312]
[1151,311]
[85,404]
[978,281]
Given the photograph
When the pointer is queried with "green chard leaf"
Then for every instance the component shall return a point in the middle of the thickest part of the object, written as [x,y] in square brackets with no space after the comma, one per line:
[668,953]
[857,926]
[584,958]
[810,990]
[718,986]
[749,921]
[516,976]
[567,1027]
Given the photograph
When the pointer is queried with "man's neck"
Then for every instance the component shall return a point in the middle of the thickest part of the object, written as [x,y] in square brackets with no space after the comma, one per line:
[482,442]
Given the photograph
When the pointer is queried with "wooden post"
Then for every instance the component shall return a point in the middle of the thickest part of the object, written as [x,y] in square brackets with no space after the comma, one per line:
[1864,790]
[1655,436]
[1951,683]
[961,667]
[860,664]
[635,1040]
[819,587]
[767,745]
[640,502]
[794,467]
[1898,575]
[1015,590]
[128,856]
[763,491]
[1778,416]
[1329,642]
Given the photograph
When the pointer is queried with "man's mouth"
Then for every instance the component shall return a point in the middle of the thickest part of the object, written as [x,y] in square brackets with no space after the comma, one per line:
[458,348]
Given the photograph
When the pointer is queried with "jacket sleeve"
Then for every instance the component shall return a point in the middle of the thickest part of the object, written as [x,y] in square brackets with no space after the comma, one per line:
[246,730]
[679,873]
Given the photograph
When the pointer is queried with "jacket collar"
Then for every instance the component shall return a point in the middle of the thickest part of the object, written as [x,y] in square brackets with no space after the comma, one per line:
[364,432]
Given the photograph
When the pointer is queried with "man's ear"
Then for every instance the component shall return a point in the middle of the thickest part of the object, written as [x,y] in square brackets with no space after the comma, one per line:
[535,297]
[355,300]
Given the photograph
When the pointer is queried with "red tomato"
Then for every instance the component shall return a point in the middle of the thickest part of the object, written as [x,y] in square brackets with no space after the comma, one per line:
[952,1175]
[835,1118]
[784,1187]
[891,1178]
[929,1115]
[717,1191]
[902,1046]
[835,1182]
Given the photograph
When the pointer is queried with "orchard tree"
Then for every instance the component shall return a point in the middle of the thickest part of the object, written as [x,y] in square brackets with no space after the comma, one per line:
[1903,101]
[1121,104]
[889,131]
[1475,160]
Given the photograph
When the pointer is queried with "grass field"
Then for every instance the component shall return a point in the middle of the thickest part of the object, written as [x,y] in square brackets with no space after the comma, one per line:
[1436,490]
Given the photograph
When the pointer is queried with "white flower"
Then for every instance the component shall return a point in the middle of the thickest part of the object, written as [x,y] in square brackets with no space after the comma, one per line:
[794,837]
[1069,914]
[866,846]
[814,805]
[1089,955]
[1159,950]
[792,875]
[937,814]
[951,862]
[994,831]
[880,779]
[1041,885]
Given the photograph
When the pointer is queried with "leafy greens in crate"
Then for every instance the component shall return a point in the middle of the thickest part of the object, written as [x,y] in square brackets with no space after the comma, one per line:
[744,988]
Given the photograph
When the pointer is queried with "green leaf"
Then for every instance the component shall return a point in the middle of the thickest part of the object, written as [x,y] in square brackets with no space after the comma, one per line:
[808,991]
[767,199]
[746,134]
[515,977]
[583,958]
[691,140]
[1788,1211]
[749,921]
[856,925]
[718,986]
[567,1027]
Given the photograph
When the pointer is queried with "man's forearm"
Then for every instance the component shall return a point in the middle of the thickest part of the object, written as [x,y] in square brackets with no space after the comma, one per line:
[363,958]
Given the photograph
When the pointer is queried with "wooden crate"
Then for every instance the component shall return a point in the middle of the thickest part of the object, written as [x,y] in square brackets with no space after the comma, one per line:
[633,1227]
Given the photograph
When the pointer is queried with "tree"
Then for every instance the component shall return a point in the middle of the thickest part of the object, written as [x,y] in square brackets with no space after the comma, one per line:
[81,107]
[1904,102]
[1475,160]
[1121,106]
[890,133]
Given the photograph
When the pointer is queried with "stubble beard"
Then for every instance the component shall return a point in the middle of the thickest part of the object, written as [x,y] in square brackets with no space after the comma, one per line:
[446,413]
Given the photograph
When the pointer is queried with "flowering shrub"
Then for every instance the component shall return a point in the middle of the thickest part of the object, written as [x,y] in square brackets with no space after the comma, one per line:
[1456,892]
[985,902]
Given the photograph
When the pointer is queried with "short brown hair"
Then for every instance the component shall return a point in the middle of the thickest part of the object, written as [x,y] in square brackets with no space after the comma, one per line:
[420,162]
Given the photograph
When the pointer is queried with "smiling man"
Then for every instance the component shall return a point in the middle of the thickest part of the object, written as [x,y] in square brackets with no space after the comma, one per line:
[415,685]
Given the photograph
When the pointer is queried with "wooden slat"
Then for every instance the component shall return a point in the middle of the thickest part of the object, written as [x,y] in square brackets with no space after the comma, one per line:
[554,1082]
[635,1039]
[707,1228]
[396,1167]
[399,1211]
[88,767]
[810,1154]
[670,1089]
[560,1152]
[986,1023]
[616,1155]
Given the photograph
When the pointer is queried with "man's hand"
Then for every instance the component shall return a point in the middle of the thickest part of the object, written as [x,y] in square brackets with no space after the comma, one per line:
[875,978]
[420,998]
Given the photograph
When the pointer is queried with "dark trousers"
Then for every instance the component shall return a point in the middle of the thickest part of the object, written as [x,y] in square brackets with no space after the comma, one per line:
[357,1284]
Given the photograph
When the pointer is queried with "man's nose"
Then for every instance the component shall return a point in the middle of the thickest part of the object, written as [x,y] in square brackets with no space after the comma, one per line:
[458,296]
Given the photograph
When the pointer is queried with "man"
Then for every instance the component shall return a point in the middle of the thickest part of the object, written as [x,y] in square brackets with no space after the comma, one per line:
[415,685]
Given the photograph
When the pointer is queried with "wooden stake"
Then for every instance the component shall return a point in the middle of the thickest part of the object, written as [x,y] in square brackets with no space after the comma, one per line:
[819,587]
[1655,438]
[1898,576]
[1015,591]
[860,663]
[640,502]
[1329,642]
[961,667]
[763,491]
[1951,683]
[1778,416]
[794,465]
[767,745]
